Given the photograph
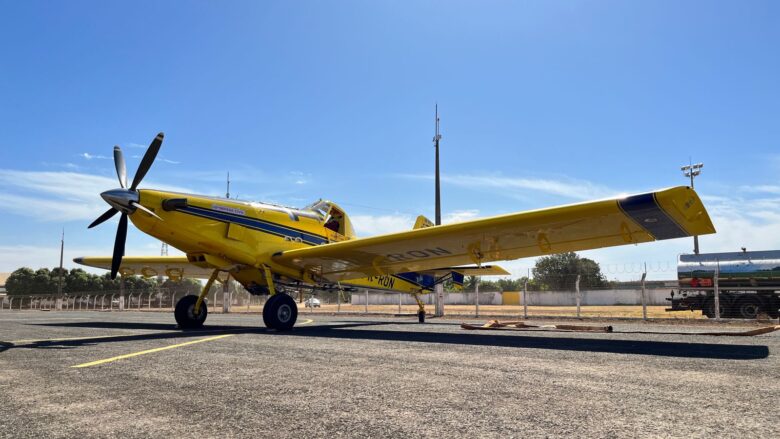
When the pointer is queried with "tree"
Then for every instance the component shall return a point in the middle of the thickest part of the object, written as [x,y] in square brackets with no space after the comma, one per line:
[45,281]
[20,282]
[42,283]
[186,286]
[138,283]
[79,281]
[559,272]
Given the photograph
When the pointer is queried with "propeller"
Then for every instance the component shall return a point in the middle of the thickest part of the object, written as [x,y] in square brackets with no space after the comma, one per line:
[126,200]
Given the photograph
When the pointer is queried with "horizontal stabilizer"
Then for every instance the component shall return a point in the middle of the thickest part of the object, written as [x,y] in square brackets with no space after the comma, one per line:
[422,222]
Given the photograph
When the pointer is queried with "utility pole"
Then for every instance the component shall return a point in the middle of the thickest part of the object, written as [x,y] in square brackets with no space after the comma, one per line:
[58,305]
[439,289]
[436,139]
[690,170]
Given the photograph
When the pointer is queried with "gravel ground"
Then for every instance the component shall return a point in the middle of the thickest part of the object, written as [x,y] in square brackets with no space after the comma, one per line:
[377,377]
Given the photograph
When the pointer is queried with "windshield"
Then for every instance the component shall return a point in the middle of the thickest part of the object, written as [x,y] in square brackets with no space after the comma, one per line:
[320,207]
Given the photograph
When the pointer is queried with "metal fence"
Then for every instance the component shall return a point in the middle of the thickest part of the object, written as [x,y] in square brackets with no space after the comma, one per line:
[158,299]
[638,300]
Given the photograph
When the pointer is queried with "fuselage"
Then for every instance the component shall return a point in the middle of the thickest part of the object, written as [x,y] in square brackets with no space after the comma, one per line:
[242,237]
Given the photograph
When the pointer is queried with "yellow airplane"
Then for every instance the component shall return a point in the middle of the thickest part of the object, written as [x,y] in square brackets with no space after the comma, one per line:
[270,248]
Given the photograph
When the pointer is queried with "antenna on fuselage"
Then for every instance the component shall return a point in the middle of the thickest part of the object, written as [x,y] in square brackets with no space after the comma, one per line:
[227,194]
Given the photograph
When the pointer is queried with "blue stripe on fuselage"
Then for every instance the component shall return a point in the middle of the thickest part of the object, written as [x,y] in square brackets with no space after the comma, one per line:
[256,224]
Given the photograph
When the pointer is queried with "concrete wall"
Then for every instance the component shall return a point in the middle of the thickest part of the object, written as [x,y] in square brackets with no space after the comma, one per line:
[598,297]
[490,298]
[539,298]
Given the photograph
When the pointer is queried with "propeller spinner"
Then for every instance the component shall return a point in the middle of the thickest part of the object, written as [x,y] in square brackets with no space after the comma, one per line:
[126,200]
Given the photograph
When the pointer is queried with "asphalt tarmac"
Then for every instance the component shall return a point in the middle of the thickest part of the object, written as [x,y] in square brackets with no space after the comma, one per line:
[133,374]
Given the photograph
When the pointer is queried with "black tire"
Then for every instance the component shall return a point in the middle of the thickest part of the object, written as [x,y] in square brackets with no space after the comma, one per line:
[266,314]
[421,316]
[185,313]
[280,312]
[709,309]
[749,308]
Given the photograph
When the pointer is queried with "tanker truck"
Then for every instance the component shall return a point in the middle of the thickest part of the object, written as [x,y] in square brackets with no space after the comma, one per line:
[748,284]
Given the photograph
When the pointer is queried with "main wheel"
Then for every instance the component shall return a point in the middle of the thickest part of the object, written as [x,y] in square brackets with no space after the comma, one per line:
[185,313]
[748,308]
[280,312]
[421,316]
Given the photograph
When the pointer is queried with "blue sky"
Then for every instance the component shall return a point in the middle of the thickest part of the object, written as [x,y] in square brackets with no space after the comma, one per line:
[542,103]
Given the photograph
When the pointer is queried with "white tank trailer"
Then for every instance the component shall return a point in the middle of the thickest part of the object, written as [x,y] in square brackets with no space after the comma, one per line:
[748,282]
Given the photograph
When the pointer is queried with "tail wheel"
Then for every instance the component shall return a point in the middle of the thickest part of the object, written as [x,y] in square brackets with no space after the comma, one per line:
[280,312]
[749,307]
[185,313]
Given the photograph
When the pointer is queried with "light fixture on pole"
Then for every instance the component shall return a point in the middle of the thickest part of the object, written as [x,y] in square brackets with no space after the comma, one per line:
[691,171]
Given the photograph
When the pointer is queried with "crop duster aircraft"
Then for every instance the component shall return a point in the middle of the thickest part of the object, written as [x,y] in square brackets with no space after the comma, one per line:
[270,248]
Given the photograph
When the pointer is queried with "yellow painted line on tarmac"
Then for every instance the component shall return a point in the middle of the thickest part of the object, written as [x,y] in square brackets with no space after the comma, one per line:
[306,322]
[150,351]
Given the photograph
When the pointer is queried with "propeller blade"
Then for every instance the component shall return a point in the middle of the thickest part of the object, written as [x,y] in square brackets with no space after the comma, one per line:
[141,206]
[147,161]
[119,245]
[121,169]
[102,218]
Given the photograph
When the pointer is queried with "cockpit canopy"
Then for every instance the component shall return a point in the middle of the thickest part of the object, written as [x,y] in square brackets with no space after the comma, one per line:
[333,217]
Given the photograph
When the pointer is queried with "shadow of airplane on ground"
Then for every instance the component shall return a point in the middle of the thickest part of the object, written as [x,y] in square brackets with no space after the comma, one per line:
[352,331]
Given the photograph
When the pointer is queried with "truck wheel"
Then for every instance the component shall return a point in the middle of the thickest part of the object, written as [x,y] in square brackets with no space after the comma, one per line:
[748,308]
[709,309]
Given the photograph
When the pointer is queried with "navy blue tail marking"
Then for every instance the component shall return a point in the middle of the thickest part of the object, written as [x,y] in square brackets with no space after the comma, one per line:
[645,210]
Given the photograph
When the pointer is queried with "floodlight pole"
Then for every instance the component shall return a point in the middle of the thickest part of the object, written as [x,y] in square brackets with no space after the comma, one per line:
[436,139]
[691,170]
[439,288]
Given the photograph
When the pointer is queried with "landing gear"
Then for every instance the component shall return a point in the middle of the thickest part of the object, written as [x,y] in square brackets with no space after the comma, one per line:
[185,313]
[280,312]
[420,308]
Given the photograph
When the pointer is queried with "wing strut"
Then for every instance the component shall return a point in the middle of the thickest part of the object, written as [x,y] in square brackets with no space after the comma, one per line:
[205,291]
[269,279]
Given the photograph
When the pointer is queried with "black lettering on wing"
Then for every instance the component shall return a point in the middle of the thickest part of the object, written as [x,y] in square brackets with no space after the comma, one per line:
[397,257]
[438,251]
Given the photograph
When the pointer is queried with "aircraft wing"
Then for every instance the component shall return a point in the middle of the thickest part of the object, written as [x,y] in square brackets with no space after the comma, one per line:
[174,267]
[665,214]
